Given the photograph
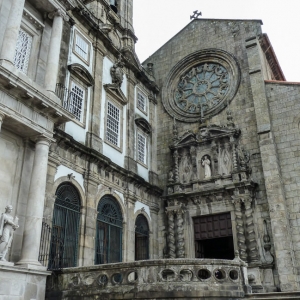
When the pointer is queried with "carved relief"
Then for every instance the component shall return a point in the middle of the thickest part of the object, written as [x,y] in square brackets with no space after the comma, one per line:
[225,160]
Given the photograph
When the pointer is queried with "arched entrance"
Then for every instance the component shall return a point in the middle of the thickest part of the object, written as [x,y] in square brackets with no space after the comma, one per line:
[141,238]
[108,231]
[65,228]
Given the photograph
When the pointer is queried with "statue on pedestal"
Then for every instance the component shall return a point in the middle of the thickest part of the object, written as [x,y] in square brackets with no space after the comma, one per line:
[8,224]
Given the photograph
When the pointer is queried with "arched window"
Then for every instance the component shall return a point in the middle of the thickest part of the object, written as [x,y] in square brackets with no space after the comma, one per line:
[109,231]
[141,238]
[65,228]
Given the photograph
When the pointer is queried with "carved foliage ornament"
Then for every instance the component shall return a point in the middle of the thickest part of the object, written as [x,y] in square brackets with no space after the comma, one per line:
[201,85]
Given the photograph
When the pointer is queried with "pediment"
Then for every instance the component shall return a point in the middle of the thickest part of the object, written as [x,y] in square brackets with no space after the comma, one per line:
[143,124]
[82,73]
[131,57]
[215,131]
[114,91]
[187,138]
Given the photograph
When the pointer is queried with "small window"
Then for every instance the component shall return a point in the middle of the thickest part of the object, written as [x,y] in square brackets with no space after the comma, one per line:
[142,148]
[76,101]
[22,51]
[141,101]
[113,124]
[141,238]
[81,47]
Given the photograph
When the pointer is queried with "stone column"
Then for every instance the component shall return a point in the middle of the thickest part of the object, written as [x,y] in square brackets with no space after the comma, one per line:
[180,247]
[171,239]
[35,204]
[241,240]
[2,116]
[12,31]
[54,50]
[253,254]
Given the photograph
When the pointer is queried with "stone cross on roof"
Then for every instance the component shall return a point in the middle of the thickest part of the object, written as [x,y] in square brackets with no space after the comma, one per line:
[196,15]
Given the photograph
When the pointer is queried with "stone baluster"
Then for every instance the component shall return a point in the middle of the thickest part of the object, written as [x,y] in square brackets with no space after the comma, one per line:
[180,248]
[176,165]
[35,204]
[240,227]
[170,238]
[54,49]
[253,254]
[12,31]
[2,116]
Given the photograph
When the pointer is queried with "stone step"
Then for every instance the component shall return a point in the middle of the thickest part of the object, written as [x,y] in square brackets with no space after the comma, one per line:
[275,296]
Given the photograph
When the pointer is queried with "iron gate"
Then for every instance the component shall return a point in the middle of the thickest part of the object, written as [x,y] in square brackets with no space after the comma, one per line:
[65,228]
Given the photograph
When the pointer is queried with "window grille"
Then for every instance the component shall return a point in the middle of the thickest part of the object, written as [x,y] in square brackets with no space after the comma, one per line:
[76,101]
[22,51]
[141,238]
[109,231]
[81,47]
[113,124]
[65,228]
[141,101]
[141,148]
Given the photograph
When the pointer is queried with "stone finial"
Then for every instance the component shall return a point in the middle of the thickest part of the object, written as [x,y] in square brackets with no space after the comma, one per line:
[8,224]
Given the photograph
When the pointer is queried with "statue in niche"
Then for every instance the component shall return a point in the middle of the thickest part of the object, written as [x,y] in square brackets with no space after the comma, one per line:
[171,176]
[206,164]
[225,161]
[186,174]
[8,224]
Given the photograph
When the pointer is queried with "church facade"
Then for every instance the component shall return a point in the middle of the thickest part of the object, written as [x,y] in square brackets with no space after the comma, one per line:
[172,179]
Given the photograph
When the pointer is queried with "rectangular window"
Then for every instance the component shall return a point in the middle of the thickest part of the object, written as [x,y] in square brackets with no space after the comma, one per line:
[141,102]
[141,148]
[81,47]
[113,124]
[22,51]
[76,101]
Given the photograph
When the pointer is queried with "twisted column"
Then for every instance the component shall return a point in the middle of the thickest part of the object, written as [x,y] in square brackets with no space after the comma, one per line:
[176,167]
[180,249]
[253,254]
[234,158]
[170,238]
[240,227]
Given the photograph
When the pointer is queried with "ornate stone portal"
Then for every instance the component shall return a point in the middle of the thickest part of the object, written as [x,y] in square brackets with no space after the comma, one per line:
[211,166]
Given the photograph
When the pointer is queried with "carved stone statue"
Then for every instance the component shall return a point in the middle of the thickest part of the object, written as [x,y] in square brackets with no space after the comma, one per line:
[8,224]
[225,161]
[206,164]
[117,72]
[171,176]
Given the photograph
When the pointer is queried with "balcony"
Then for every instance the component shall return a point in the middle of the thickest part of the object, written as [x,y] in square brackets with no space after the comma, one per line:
[152,279]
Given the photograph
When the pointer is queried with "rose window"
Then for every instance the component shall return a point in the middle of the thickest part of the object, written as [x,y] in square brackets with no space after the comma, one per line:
[201,85]
[202,88]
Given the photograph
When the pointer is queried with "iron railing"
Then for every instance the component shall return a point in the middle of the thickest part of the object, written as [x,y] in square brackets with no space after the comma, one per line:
[45,244]
[63,94]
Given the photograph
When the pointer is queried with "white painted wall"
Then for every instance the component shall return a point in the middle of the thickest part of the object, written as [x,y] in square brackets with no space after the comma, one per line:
[109,151]
[140,205]
[64,171]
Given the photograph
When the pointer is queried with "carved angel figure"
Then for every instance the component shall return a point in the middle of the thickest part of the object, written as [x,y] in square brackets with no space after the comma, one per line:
[7,227]
[206,164]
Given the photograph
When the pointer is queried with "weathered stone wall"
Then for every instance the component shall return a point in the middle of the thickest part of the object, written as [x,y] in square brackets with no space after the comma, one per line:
[284,103]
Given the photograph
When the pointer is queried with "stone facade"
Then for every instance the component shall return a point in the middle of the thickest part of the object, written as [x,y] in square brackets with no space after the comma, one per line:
[200,143]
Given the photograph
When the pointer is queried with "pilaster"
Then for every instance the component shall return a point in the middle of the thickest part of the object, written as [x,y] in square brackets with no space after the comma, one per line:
[272,173]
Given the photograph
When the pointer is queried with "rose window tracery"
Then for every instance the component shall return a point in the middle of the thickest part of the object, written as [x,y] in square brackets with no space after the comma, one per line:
[202,88]
[201,85]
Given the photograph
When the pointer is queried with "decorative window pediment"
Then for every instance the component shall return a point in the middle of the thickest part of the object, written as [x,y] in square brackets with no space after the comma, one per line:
[116,93]
[82,73]
[143,124]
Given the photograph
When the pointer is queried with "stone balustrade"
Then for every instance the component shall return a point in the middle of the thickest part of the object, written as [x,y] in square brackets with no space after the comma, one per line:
[151,279]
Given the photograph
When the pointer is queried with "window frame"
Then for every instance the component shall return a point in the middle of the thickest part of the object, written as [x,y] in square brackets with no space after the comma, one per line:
[118,147]
[141,133]
[139,91]
[77,33]
[82,121]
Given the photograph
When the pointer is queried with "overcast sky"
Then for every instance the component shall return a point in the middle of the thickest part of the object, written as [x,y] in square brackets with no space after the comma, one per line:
[156,21]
